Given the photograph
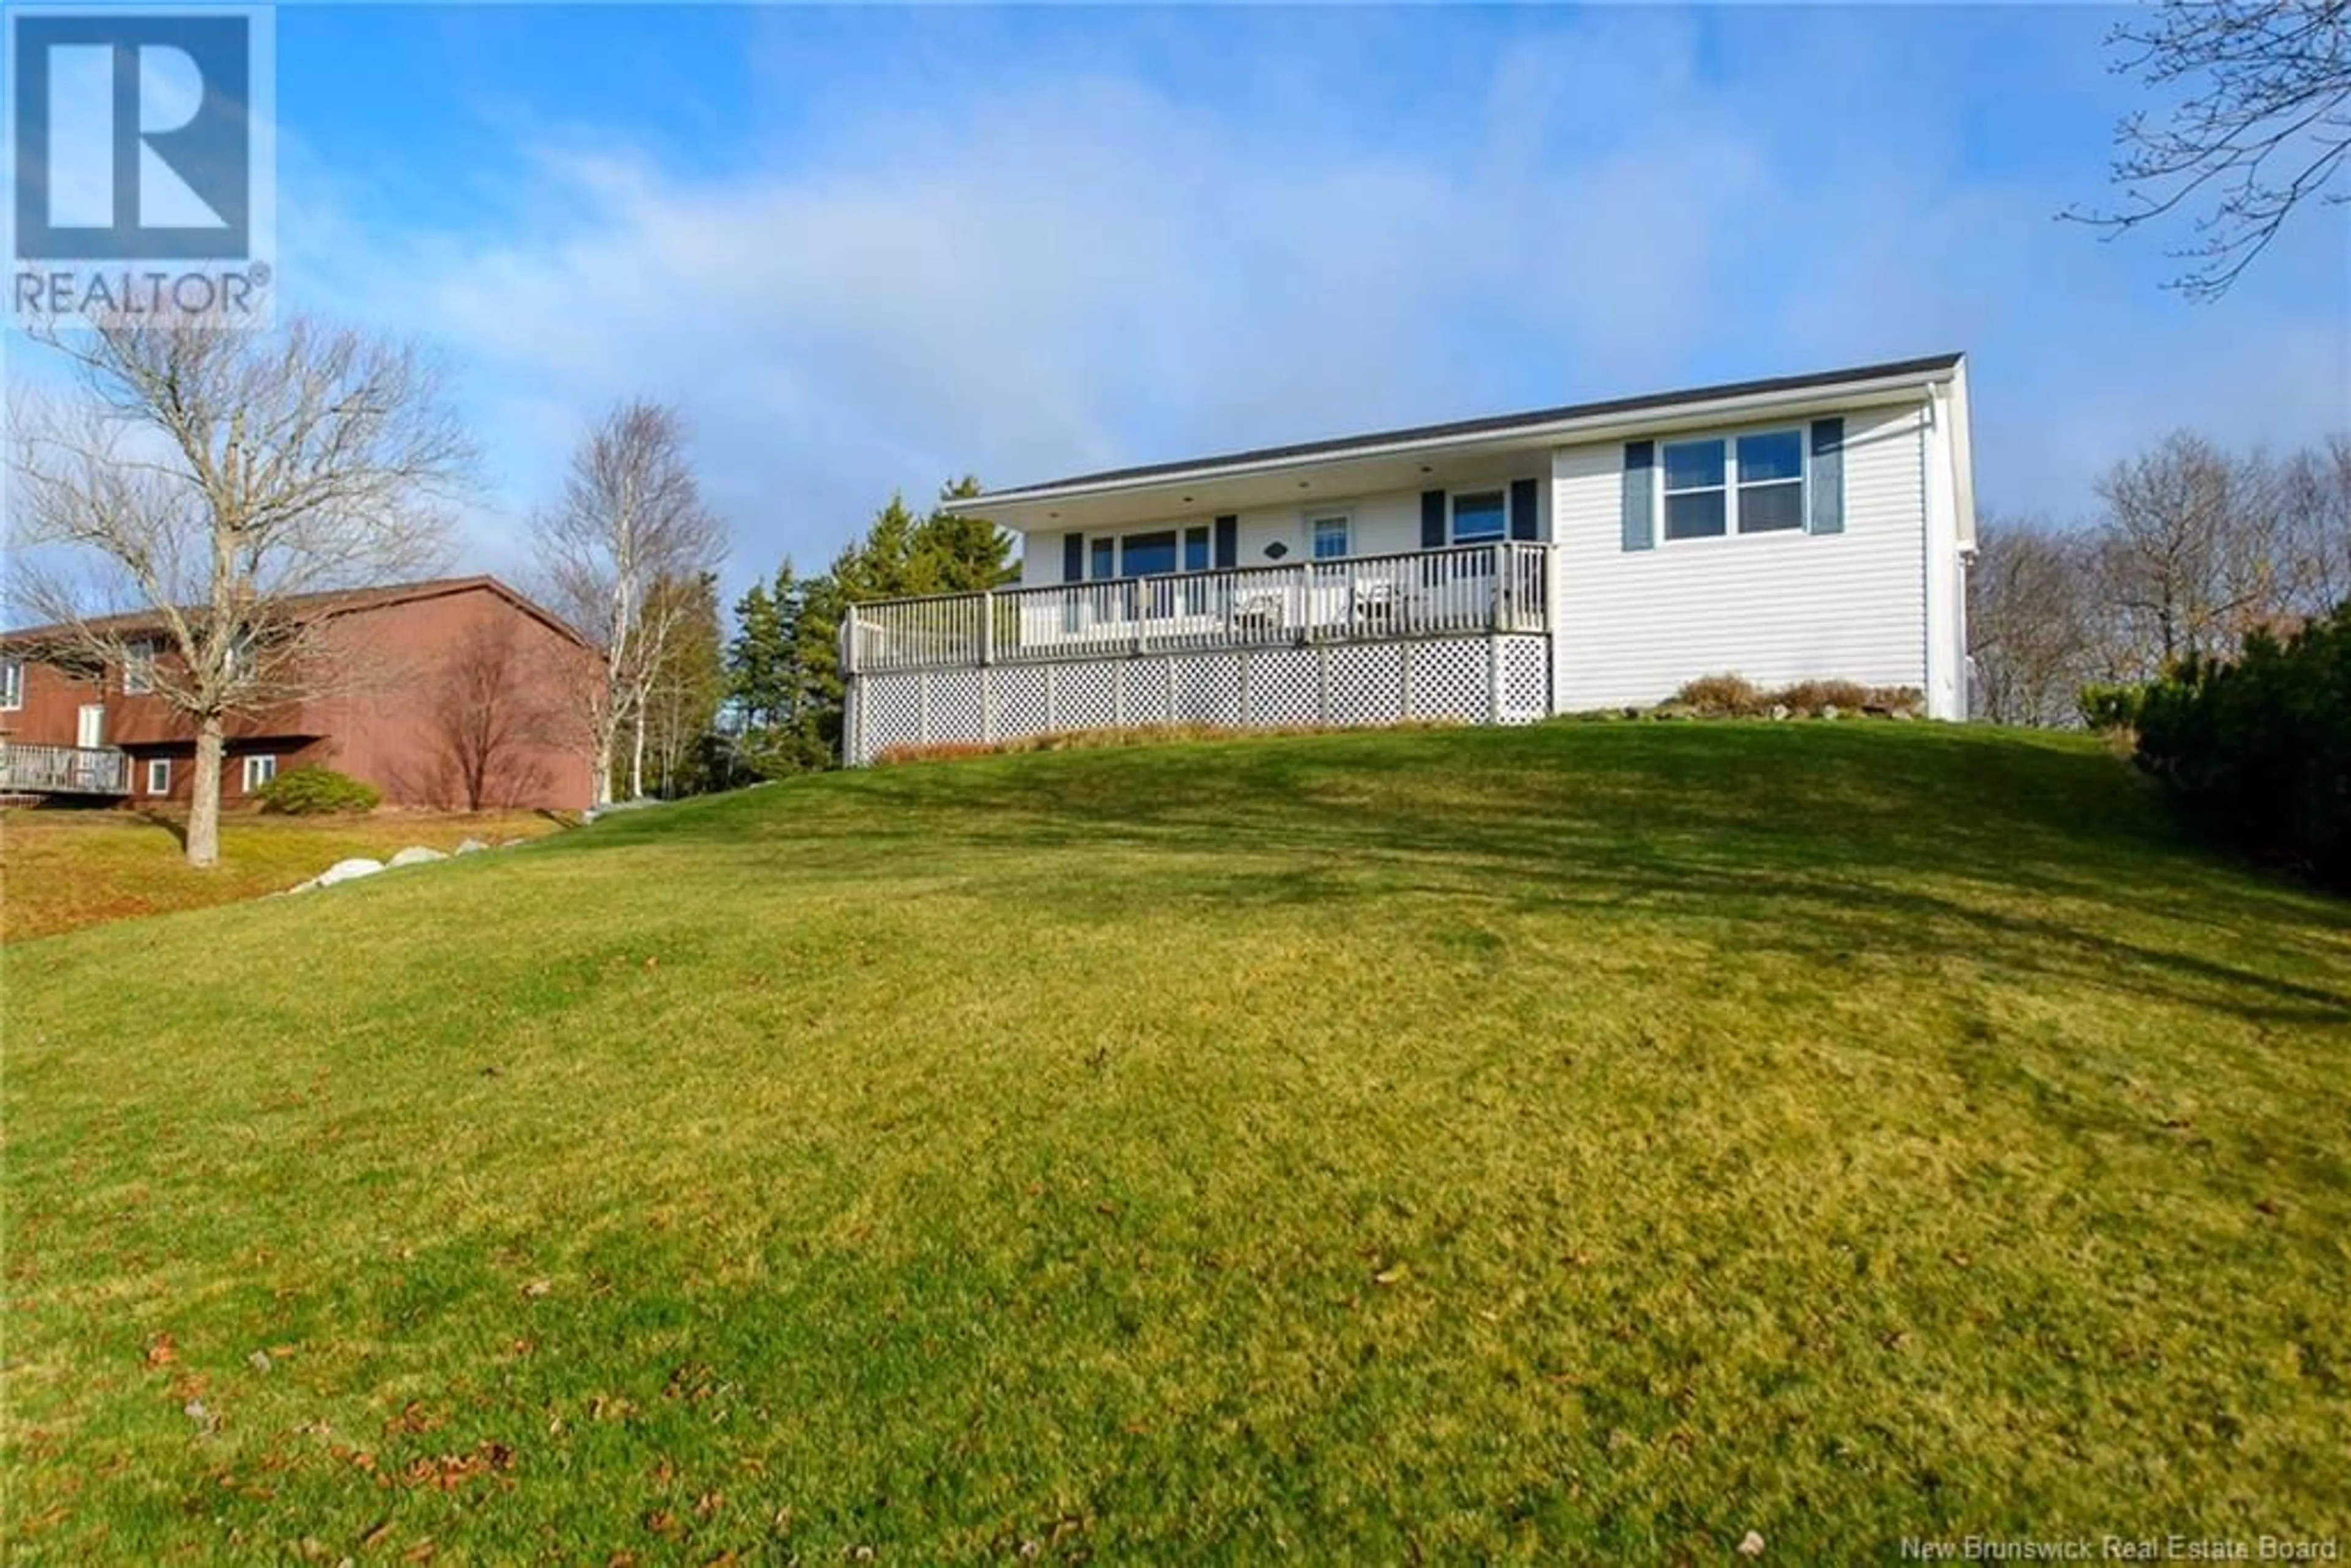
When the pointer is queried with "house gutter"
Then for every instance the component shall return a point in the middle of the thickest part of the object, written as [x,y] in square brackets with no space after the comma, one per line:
[1878,389]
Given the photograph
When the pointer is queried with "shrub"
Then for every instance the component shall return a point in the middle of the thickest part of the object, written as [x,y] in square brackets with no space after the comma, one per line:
[2258,751]
[1735,697]
[316,791]
[2107,706]
[1721,696]
[1813,698]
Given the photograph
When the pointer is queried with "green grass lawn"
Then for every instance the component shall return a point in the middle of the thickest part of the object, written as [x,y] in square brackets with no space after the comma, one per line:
[62,868]
[1592,1140]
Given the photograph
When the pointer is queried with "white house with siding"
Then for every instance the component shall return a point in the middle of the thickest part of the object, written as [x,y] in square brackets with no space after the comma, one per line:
[1492,570]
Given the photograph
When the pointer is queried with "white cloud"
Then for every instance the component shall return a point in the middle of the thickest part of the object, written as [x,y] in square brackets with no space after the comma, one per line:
[1087,270]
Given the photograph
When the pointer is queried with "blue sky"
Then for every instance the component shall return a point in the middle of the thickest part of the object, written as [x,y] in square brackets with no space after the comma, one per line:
[865,249]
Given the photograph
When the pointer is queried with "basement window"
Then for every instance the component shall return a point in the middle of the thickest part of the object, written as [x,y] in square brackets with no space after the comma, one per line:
[159,775]
[259,771]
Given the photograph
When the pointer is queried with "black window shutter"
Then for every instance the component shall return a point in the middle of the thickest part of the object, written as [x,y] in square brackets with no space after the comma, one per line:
[1828,478]
[1073,557]
[1522,508]
[1640,476]
[1228,540]
[1432,519]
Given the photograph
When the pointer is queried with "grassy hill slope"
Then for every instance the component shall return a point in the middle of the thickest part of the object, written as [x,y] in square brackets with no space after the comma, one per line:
[1584,1140]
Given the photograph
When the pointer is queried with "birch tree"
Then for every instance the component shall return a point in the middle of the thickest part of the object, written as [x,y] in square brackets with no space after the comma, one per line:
[631,518]
[215,482]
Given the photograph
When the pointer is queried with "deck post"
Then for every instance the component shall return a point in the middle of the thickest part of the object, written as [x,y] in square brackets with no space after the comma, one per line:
[1493,677]
[987,627]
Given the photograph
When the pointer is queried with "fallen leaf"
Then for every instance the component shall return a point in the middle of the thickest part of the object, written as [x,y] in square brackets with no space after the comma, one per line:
[1750,1545]
[161,1350]
[1391,1274]
[420,1553]
[2271,1206]
[376,1536]
[539,1286]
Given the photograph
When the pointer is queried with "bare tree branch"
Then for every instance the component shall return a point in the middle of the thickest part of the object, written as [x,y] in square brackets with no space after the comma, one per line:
[2266,129]
[217,481]
[631,518]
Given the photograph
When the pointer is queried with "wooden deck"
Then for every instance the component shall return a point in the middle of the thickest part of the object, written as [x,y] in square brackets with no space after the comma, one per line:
[26,769]
[1484,590]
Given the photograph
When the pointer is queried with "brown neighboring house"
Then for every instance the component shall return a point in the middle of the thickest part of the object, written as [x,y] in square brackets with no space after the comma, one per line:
[467,699]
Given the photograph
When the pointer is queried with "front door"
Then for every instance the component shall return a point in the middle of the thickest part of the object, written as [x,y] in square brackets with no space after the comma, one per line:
[90,730]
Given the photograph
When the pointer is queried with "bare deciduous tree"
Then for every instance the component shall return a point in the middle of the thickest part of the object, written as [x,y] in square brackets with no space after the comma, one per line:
[489,720]
[2192,553]
[631,517]
[681,702]
[213,480]
[2032,628]
[2314,496]
[2261,124]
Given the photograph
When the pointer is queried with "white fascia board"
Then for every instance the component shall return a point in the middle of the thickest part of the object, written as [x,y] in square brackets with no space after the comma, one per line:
[1555,433]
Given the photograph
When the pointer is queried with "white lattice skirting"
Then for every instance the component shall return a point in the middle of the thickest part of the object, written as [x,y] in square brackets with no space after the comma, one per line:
[1471,680]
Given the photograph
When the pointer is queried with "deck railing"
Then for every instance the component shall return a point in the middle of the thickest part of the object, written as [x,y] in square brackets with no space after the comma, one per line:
[63,770]
[1463,589]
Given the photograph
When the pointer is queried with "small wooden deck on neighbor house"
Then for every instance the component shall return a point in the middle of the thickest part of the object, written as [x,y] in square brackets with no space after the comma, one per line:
[63,770]
[1459,633]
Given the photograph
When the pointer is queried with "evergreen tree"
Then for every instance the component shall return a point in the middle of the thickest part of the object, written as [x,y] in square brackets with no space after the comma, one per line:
[784,664]
[758,658]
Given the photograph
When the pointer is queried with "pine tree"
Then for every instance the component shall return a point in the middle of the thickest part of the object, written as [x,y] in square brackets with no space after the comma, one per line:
[784,664]
[758,658]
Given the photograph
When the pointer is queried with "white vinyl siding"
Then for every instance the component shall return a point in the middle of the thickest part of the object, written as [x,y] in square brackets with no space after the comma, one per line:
[1633,625]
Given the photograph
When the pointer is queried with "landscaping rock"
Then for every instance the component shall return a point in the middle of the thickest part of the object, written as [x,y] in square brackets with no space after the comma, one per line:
[415,854]
[1779,710]
[469,847]
[1828,710]
[346,871]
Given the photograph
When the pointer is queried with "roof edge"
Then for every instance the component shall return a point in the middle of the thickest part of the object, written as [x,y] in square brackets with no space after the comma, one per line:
[1928,367]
